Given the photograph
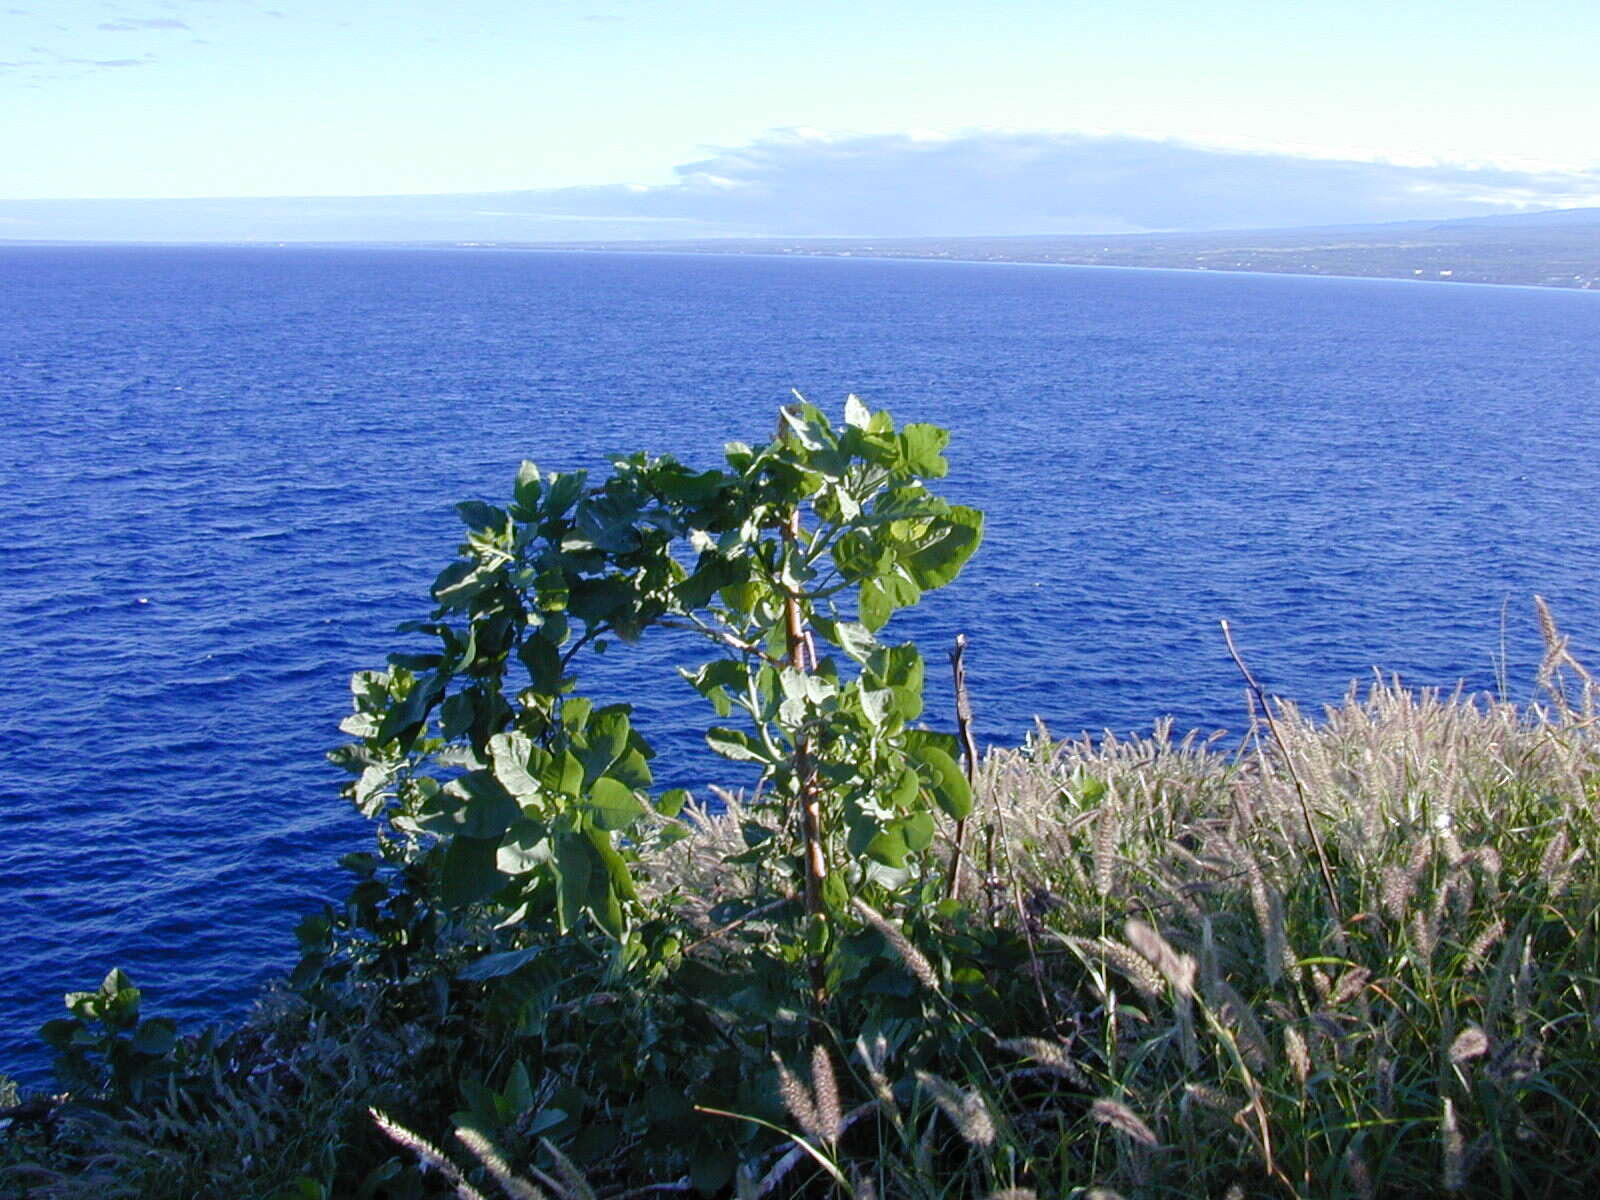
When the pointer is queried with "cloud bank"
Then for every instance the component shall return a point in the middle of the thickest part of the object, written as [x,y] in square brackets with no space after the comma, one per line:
[800,184]
[135,24]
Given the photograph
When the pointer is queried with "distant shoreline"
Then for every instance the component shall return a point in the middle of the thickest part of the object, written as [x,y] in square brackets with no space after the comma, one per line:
[1581,284]
[1512,253]
[1554,256]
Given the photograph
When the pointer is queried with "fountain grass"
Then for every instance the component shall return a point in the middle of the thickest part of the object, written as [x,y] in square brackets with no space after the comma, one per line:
[1188,1009]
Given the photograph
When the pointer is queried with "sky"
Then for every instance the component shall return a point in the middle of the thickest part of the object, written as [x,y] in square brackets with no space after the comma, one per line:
[568,119]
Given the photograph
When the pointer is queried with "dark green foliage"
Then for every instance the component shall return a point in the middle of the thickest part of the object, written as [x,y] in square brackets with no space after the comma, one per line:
[105,1050]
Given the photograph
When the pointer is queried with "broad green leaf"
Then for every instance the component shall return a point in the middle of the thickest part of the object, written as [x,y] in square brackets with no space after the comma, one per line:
[876,703]
[595,600]
[493,966]
[902,795]
[519,1089]
[735,744]
[525,847]
[563,493]
[874,607]
[612,805]
[920,447]
[475,514]
[468,872]
[860,555]
[476,805]
[607,737]
[889,847]
[632,768]
[951,791]
[856,414]
[457,714]
[853,638]
[563,774]
[575,714]
[404,721]
[939,557]
[543,662]
[156,1036]
[612,863]
[918,829]
[803,421]
[510,753]
[575,862]
[687,487]
[458,583]
[527,490]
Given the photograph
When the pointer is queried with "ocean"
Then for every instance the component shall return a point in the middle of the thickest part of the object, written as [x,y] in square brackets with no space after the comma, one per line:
[226,474]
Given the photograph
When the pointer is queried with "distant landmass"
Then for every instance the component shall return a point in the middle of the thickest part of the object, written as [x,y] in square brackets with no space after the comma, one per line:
[1558,248]
[1553,248]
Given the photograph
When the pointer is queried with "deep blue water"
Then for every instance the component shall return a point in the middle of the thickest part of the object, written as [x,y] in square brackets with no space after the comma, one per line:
[226,474]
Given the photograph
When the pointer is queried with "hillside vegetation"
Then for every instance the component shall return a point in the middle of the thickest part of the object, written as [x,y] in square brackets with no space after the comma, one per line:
[1351,956]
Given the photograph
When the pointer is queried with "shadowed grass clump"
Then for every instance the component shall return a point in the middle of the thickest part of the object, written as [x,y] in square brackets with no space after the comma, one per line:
[1149,991]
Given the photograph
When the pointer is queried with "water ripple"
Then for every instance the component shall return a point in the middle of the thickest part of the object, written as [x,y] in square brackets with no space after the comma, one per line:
[228,474]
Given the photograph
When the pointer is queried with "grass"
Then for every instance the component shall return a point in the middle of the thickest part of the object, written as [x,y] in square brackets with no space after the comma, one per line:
[1151,992]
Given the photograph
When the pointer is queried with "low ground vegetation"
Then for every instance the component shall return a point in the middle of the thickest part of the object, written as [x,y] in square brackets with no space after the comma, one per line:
[1356,956]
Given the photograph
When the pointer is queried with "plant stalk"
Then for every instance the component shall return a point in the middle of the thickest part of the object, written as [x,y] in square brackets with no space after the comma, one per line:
[969,748]
[801,657]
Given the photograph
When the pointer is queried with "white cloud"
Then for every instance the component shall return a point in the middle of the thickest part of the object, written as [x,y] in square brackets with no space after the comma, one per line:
[132,24]
[799,182]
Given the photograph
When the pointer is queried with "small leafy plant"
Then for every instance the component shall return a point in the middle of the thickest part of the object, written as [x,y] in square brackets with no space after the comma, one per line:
[498,783]
[105,1050]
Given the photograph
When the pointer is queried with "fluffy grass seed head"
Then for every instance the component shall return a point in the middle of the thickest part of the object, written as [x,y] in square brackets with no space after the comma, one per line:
[1470,1043]
[966,1110]
[429,1156]
[1177,969]
[825,1088]
[1124,1120]
[1357,1172]
[1453,1174]
[1478,949]
[1107,834]
[490,1158]
[913,958]
[1350,985]
[1294,1049]
[873,1058]
[799,1103]
[1211,1099]
[1138,969]
[1046,1056]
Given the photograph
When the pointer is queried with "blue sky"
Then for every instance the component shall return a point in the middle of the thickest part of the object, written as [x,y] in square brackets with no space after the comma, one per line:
[702,116]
